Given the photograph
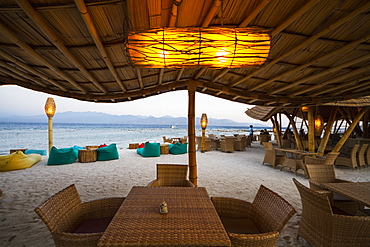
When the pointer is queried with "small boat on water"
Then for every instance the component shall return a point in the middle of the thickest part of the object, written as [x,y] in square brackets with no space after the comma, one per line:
[173,126]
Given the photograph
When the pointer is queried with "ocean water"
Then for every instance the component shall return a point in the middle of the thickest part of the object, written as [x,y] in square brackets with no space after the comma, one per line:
[35,135]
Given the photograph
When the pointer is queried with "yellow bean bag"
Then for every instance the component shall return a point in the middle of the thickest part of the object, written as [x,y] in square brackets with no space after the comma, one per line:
[18,160]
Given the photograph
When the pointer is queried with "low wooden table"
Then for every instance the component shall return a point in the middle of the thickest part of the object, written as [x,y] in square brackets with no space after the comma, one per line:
[133,145]
[296,159]
[164,148]
[192,220]
[87,155]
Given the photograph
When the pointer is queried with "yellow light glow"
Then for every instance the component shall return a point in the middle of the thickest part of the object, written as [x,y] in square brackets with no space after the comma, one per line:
[50,107]
[199,47]
[204,121]
[318,123]
[304,108]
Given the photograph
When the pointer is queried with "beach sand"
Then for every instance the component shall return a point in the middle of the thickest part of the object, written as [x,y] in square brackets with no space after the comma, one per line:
[237,175]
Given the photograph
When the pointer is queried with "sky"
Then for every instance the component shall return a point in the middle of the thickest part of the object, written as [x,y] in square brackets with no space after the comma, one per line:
[15,100]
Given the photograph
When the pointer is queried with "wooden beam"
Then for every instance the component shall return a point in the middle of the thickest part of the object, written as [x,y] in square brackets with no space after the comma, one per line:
[345,136]
[254,13]
[160,77]
[53,38]
[174,10]
[295,131]
[201,71]
[211,13]
[139,78]
[94,34]
[308,41]
[193,173]
[178,77]
[311,129]
[221,74]
[313,61]
[276,125]
[328,128]
[6,32]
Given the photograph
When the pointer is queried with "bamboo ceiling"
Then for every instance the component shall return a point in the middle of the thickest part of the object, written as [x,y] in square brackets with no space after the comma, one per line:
[76,49]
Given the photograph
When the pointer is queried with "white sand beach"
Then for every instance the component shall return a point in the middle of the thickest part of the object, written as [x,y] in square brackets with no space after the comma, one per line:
[237,175]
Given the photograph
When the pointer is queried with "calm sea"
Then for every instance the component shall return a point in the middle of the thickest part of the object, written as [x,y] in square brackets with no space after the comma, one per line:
[35,135]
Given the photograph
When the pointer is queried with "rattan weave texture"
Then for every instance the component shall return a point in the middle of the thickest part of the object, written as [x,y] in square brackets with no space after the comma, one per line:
[191,219]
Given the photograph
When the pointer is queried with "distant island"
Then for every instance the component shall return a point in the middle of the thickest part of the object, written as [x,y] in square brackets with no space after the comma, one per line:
[104,118]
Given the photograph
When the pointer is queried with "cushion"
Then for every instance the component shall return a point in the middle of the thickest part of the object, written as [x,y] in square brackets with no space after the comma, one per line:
[62,156]
[4,159]
[109,152]
[103,145]
[142,145]
[178,148]
[21,161]
[33,151]
[151,149]
[93,225]
[239,226]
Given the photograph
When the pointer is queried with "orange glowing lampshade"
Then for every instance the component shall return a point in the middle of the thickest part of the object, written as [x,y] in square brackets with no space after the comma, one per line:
[50,107]
[198,47]
[318,122]
[304,108]
[204,121]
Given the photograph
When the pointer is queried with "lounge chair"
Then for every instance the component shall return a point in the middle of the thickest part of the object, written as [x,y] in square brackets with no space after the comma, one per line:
[227,144]
[73,223]
[254,224]
[361,155]
[328,159]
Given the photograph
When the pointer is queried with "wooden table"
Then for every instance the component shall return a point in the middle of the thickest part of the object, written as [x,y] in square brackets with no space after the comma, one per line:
[356,191]
[294,159]
[87,155]
[191,220]
[164,149]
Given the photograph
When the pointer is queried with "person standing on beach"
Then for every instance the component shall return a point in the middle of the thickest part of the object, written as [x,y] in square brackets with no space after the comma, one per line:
[251,131]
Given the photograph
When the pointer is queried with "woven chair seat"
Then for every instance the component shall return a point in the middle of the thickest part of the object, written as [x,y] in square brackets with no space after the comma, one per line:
[70,221]
[254,224]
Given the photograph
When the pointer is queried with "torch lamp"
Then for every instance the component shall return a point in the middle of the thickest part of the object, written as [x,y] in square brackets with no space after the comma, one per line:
[50,109]
[203,124]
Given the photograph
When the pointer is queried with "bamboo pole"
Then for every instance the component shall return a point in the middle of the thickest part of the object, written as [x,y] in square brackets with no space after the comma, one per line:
[99,44]
[50,132]
[254,13]
[329,126]
[295,131]
[348,132]
[366,125]
[55,40]
[173,16]
[311,129]
[193,174]
[278,130]
[216,4]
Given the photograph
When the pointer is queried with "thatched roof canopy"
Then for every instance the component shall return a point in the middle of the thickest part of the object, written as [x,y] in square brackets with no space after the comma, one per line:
[346,110]
[77,49]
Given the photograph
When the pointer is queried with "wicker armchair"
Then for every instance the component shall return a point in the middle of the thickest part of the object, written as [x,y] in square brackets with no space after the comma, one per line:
[254,224]
[227,144]
[326,174]
[272,157]
[73,223]
[166,140]
[361,155]
[171,175]
[367,160]
[239,144]
[322,225]
[350,161]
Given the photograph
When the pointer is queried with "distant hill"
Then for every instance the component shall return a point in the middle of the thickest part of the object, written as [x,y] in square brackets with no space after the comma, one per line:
[104,118]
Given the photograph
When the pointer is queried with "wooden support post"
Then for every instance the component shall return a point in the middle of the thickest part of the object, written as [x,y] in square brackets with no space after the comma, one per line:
[295,131]
[366,125]
[278,131]
[349,130]
[329,126]
[50,132]
[311,129]
[193,173]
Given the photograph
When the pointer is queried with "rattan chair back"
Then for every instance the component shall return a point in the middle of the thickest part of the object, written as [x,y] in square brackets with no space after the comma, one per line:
[267,145]
[172,175]
[61,212]
[321,173]
[349,161]
[361,155]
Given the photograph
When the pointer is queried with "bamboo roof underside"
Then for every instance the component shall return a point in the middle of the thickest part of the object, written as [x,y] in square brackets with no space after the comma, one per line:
[346,110]
[77,49]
